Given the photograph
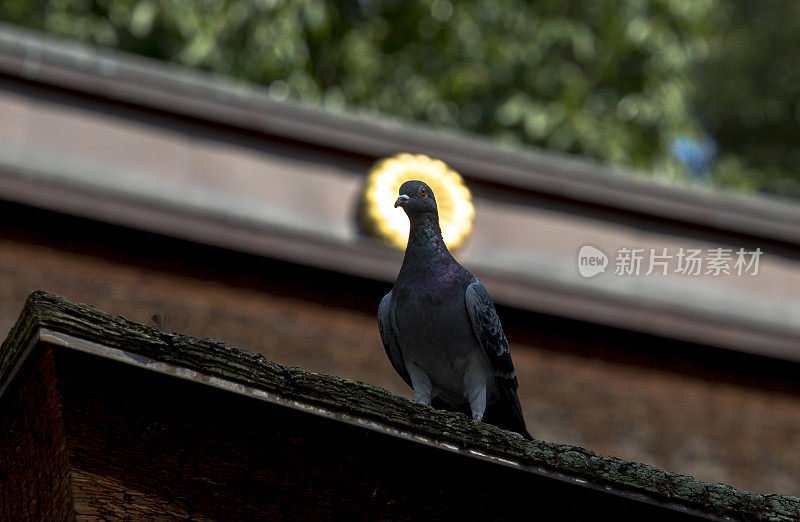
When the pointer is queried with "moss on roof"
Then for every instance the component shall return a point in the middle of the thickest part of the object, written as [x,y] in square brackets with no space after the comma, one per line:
[215,359]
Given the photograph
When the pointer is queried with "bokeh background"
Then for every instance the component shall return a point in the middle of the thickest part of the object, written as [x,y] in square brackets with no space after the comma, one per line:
[207,160]
[698,92]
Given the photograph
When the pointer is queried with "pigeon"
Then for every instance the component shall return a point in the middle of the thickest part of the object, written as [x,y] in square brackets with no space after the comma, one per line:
[440,328]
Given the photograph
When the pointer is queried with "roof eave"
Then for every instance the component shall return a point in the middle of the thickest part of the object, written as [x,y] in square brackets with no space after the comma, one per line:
[49,319]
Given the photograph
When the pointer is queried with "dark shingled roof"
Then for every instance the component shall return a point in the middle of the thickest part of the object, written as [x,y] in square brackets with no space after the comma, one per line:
[47,317]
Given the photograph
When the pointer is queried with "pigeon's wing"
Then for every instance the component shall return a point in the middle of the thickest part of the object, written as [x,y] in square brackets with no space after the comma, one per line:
[489,333]
[389,337]
[506,412]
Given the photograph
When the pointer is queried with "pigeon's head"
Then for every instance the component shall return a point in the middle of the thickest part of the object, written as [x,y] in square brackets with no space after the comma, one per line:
[416,198]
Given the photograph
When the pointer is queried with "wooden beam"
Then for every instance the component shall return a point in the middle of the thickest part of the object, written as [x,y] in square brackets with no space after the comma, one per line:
[177,90]
[35,477]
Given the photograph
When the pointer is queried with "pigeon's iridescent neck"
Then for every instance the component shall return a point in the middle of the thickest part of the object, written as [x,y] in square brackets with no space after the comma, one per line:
[426,250]
[426,236]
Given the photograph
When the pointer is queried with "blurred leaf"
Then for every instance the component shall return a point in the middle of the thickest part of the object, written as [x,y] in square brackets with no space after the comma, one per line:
[616,81]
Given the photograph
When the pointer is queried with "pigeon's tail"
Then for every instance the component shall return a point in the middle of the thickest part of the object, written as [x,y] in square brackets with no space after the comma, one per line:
[506,412]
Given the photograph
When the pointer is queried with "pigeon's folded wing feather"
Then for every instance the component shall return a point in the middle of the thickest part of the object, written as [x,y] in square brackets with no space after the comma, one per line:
[489,333]
[386,327]
[507,411]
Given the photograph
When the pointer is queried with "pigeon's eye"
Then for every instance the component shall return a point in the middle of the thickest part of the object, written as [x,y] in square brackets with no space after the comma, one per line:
[422,191]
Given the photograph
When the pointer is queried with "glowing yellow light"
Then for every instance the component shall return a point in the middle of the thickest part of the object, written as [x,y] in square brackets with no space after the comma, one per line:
[453,198]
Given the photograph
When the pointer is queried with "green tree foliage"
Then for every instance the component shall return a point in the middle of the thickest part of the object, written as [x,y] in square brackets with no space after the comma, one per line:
[750,96]
[616,81]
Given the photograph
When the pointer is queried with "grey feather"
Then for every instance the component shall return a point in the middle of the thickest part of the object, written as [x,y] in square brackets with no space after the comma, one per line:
[489,332]
[386,328]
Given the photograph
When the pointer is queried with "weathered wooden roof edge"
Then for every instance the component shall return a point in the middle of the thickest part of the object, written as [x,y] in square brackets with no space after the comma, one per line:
[214,359]
[145,82]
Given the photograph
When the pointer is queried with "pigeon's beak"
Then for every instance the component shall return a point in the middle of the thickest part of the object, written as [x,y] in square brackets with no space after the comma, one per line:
[401,201]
